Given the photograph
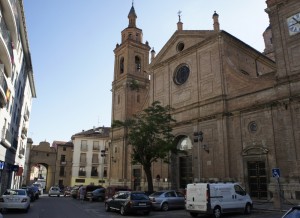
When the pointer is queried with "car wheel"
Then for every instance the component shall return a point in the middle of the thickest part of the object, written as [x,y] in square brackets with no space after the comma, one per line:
[193,214]
[122,211]
[107,208]
[147,213]
[26,210]
[165,207]
[217,213]
[247,209]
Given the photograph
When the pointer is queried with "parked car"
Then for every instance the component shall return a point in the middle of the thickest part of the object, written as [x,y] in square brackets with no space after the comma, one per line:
[39,186]
[129,202]
[74,192]
[292,212]
[96,195]
[30,192]
[54,190]
[113,189]
[89,189]
[15,199]
[67,191]
[165,200]
[36,191]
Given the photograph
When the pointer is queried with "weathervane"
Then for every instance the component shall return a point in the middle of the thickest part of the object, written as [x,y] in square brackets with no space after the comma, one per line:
[179,15]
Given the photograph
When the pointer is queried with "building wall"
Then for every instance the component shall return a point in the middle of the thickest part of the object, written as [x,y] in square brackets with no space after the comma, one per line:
[64,159]
[16,92]
[245,104]
[100,163]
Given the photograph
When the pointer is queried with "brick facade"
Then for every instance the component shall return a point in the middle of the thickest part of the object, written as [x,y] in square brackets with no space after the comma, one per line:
[246,105]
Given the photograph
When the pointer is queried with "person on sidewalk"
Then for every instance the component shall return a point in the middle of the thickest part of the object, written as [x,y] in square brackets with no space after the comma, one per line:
[81,193]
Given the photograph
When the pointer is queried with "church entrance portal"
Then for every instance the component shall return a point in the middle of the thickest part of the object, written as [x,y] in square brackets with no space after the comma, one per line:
[257,179]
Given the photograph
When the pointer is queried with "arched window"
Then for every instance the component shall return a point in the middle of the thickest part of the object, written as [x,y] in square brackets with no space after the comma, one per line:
[184,143]
[122,65]
[137,63]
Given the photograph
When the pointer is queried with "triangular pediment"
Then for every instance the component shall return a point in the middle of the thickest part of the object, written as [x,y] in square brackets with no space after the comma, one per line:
[182,41]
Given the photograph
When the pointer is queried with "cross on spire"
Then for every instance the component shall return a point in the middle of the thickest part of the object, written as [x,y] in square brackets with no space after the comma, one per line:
[179,15]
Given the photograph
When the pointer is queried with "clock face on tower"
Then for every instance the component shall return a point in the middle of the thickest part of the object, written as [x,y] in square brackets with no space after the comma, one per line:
[293,23]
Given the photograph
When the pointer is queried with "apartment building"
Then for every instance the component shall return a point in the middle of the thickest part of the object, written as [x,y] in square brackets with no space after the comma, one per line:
[90,157]
[17,89]
[64,155]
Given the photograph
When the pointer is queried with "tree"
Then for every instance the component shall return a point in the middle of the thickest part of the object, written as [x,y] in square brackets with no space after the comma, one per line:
[150,135]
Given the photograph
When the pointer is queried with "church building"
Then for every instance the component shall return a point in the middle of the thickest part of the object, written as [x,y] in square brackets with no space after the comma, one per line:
[237,109]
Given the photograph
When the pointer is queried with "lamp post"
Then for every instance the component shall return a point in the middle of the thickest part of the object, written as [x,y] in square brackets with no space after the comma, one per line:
[198,137]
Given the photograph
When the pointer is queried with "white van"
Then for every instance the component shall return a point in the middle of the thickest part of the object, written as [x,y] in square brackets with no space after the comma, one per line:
[216,198]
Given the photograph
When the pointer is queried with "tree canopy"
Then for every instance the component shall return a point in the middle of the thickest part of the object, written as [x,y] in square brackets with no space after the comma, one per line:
[150,135]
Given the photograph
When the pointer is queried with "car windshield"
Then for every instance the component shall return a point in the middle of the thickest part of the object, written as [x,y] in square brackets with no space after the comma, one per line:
[138,196]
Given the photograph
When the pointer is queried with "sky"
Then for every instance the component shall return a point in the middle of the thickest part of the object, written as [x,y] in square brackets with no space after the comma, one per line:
[72,42]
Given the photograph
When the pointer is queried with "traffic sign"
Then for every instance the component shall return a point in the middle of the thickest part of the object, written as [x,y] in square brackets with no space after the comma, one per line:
[276,172]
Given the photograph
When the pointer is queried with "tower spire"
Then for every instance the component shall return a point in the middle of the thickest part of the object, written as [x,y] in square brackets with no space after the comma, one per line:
[132,16]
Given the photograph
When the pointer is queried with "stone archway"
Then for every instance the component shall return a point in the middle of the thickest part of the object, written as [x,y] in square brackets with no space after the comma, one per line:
[42,158]
[181,163]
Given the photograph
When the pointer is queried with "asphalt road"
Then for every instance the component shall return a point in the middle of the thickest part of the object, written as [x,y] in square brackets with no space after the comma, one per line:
[67,207]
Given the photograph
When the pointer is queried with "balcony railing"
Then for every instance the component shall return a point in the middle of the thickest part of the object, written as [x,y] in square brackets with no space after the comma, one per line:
[62,173]
[94,174]
[6,36]
[6,138]
[63,162]
[81,173]
[26,114]
[3,87]
[21,152]
[95,161]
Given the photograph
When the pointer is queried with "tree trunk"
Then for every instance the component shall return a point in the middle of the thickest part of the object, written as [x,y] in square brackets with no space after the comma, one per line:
[149,178]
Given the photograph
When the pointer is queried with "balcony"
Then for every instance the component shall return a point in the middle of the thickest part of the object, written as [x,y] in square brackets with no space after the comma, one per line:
[82,162]
[6,138]
[81,173]
[24,133]
[6,56]
[21,152]
[4,91]
[95,162]
[26,114]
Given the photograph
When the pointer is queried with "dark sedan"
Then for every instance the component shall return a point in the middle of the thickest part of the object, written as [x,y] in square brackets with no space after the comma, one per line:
[96,195]
[129,202]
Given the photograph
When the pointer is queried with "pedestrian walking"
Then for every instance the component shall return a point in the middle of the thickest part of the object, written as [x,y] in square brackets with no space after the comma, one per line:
[81,193]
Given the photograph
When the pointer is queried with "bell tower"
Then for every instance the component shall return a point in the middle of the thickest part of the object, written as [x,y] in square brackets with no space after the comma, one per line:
[130,89]
[130,80]
[285,23]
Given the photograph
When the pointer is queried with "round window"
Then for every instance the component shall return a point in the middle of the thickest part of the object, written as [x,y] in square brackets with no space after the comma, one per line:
[181,75]
[180,46]
[252,126]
